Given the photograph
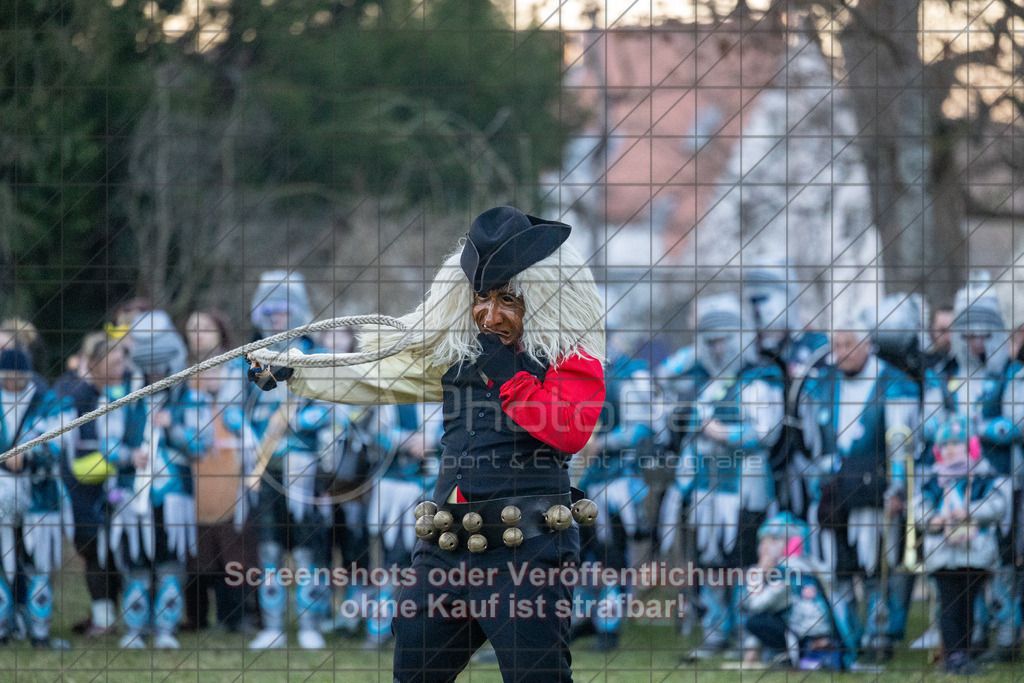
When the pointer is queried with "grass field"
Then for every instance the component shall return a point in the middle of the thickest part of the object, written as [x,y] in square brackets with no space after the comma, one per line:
[648,653]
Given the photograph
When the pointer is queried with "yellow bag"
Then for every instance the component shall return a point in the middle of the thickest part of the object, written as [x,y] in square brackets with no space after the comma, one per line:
[92,468]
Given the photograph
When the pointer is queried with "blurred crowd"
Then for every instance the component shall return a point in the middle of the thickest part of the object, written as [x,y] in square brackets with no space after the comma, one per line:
[874,460]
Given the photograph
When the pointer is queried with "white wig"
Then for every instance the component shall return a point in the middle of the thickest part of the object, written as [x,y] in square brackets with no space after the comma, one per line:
[564,314]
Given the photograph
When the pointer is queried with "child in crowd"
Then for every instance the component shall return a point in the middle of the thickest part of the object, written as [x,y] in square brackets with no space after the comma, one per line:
[786,608]
[959,509]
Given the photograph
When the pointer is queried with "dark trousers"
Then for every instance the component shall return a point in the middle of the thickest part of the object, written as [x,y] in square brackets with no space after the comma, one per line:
[274,522]
[769,628]
[88,505]
[217,546]
[434,643]
[958,591]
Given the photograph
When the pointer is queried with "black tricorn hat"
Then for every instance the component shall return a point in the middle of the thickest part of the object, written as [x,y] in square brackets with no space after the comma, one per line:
[503,242]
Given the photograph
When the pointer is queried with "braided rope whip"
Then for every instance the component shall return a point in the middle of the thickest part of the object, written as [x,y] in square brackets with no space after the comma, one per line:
[254,350]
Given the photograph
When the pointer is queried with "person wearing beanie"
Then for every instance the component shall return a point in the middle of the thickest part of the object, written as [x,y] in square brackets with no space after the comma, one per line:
[958,510]
[152,529]
[293,432]
[787,605]
[32,501]
[982,386]
[861,423]
[723,471]
[771,292]
[512,329]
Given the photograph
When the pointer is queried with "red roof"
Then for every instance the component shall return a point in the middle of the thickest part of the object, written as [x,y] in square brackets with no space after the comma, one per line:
[677,97]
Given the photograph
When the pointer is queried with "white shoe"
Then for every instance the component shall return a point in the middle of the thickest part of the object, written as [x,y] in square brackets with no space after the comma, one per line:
[269,640]
[929,640]
[165,641]
[132,641]
[311,640]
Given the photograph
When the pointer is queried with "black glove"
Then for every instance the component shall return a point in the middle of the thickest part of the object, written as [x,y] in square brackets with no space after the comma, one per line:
[266,377]
[500,363]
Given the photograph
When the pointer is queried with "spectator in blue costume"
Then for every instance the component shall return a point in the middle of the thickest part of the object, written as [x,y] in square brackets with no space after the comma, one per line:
[293,433]
[31,519]
[614,479]
[92,454]
[771,295]
[862,416]
[723,472]
[982,387]
[152,530]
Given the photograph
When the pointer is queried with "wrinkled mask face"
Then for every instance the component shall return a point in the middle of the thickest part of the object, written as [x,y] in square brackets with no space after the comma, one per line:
[718,352]
[769,310]
[980,351]
[500,312]
[977,345]
[272,317]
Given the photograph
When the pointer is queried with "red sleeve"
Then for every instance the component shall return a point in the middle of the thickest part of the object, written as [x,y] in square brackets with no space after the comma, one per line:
[563,409]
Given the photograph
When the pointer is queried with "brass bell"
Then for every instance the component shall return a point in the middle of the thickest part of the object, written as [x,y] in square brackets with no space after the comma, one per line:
[448,541]
[443,520]
[558,517]
[584,511]
[427,507]
[510,514]
[425,528]
[512,537]
[472,522]
[477,543]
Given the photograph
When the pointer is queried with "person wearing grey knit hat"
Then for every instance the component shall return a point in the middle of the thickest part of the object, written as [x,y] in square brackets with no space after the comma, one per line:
[771,290]
[720,347]
[156,346]
[287,517]
[979,331]
[152,530]
[723,473]
[985,388]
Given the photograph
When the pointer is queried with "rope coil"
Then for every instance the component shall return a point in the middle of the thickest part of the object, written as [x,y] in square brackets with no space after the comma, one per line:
[256,351]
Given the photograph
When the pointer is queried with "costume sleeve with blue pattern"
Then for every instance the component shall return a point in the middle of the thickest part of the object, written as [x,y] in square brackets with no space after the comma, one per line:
[191,430]
[763,413]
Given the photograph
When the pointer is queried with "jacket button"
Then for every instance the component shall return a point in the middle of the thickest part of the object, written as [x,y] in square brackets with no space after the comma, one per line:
[488,394]
[480,414]
[458,476]
[465,452]
[472,433]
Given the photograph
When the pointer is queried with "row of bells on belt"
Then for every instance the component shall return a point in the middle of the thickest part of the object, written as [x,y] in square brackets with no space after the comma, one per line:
[430,522]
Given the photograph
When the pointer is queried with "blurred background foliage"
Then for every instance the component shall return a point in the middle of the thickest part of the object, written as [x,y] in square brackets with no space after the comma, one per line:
[173,148]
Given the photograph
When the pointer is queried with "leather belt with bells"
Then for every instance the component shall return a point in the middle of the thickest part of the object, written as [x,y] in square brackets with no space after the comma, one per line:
[499,522]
